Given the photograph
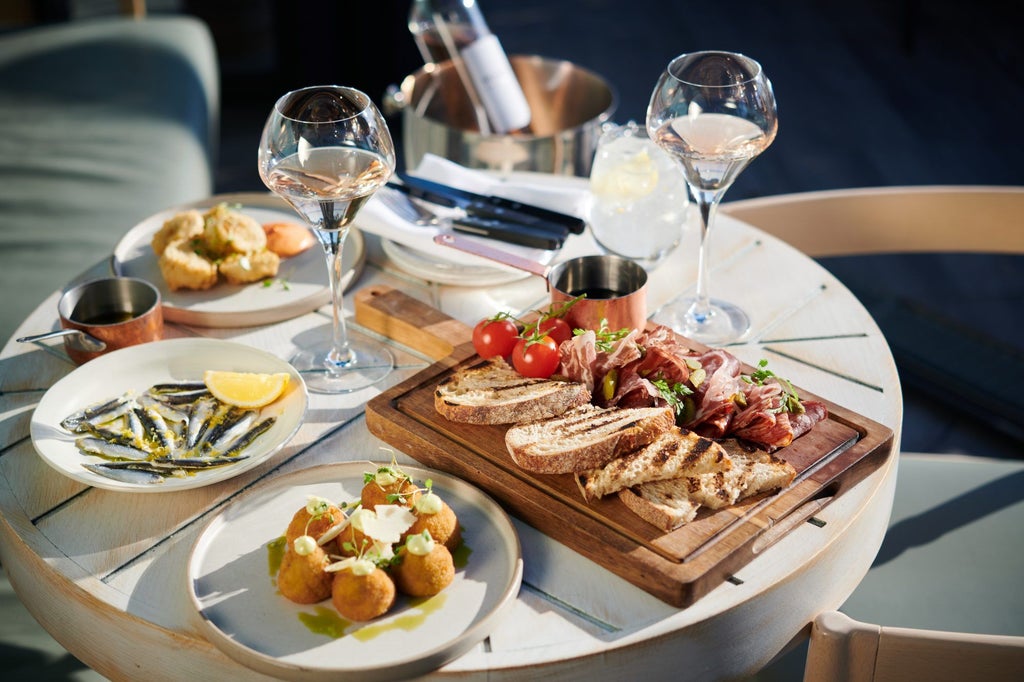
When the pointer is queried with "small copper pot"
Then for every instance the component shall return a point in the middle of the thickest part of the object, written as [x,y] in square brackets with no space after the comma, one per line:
[119,311]
[615,287]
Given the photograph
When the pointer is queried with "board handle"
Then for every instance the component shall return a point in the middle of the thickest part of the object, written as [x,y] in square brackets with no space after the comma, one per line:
[408,321]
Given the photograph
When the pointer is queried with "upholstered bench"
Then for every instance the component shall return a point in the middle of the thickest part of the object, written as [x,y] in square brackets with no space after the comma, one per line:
[102,123]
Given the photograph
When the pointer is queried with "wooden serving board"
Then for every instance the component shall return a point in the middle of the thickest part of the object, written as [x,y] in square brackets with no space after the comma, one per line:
[678,567]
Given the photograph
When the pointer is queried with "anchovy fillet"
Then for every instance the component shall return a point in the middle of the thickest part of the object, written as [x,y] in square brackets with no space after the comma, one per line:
[134,476]
[236,430]
[246,440]
[100,413]
[177,387]
[91,445]
[199,421]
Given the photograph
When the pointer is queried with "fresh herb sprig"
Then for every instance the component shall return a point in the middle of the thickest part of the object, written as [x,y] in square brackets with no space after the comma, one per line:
[790,399]
[674,394]
[606,338]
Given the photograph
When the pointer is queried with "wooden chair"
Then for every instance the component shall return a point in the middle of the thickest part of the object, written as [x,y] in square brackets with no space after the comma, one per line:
[846,650]
[900,231]
[891,219]
[951,560]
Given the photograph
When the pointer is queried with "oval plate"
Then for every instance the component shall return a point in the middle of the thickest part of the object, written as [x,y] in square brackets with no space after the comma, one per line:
[136,368]
[242,613]
[300,287]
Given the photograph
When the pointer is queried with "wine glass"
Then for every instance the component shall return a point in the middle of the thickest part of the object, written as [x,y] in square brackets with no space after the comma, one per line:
[714,112]
[325,150]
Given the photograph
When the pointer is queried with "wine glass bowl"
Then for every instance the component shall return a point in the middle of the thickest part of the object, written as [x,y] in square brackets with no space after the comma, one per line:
[714,112]
[326,150]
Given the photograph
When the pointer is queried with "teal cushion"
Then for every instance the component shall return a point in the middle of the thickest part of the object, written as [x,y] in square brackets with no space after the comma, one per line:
[104,123]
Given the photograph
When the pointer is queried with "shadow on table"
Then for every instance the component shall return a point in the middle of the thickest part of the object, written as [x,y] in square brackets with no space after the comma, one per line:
[28,652]
[955,513]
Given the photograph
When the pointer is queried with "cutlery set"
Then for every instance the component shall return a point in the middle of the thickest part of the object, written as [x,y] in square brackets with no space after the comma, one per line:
[488,216]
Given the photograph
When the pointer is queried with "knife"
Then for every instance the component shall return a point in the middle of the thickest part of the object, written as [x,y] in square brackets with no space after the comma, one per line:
[490,206]
[512,233]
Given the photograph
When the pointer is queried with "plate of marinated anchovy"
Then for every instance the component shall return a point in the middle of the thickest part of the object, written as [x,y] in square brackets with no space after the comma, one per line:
[165,416]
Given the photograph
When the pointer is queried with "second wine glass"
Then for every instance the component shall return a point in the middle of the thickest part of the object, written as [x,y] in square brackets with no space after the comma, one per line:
[714,112]
[325,150]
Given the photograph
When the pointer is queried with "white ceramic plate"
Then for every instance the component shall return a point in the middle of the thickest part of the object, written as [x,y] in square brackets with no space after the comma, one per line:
[436,269]
[231,585]
[139,367]
[303,284]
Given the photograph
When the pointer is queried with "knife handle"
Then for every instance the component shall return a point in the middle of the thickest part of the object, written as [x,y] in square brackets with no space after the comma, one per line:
[570,222]
[523,235]
[489,209]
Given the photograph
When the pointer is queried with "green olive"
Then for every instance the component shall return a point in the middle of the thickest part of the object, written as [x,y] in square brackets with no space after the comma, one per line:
[609,384]
[687,410]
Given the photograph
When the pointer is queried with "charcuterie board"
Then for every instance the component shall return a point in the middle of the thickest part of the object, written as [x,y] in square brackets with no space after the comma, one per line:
[678,567]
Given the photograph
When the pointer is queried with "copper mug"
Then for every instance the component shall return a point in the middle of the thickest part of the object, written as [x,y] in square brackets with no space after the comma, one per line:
[117,311]
[615,288]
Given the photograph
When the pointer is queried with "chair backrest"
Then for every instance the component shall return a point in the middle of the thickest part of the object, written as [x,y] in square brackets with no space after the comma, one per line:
[845,650]
[891,219]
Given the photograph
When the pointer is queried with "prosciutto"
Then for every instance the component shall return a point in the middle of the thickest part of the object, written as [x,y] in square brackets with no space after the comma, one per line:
[726,403]
[582,360]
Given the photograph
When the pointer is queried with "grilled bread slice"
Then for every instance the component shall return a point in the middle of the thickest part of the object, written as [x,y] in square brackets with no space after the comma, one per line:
[492,392]
[674,454]
[673,503]
[765,471]
[585,437]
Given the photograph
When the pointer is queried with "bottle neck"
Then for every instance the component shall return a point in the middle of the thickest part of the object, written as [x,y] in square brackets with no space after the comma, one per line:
[461,20]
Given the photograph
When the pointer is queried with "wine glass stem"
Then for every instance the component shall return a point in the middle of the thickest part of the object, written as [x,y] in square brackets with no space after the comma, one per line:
[707,205]
[333,242]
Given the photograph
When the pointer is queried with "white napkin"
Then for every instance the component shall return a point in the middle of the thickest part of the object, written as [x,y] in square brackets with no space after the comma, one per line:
[552,192]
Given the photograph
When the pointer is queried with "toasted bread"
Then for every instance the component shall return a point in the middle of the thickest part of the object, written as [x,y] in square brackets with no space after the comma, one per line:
[585,437]
[674,454]
[673,503]
[491,392]
[766,471]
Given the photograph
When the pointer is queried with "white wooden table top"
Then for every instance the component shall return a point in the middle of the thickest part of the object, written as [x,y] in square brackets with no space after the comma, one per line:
[104,572]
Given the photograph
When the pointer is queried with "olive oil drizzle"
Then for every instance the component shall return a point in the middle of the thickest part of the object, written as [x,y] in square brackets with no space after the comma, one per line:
[275,555]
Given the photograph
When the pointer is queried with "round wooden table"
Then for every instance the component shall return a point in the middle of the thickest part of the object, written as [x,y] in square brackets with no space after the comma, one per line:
[105,572]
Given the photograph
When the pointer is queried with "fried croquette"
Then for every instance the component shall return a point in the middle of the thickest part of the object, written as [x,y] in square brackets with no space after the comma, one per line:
[443,526]
[304,523]
[183,268]
[226,231]
[423,575]
[362,597]
[352,541]
[401,492]
[180,227]
[243,268]
[302,579]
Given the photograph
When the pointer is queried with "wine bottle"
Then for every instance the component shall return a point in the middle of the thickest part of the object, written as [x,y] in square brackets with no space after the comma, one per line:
[456,30]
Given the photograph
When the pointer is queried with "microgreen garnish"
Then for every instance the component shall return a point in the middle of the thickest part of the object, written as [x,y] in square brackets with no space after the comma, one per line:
[606,338]
[790,400]
[285,285]
[673,394]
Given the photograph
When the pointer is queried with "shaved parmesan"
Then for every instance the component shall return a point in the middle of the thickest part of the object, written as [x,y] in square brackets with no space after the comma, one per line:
[386,523]
[356,565]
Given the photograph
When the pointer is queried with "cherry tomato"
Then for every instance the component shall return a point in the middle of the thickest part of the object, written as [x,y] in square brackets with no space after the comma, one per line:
[495,337]
[536,357]
[556,328]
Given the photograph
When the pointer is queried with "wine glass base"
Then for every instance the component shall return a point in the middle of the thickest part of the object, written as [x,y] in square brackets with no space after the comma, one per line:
[724,323]
[371,363]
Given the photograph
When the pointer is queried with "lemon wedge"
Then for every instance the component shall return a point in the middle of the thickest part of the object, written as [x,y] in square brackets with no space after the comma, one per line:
[245,389]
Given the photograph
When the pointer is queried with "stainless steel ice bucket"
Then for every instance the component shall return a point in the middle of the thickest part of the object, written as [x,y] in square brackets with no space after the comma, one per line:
[568,105]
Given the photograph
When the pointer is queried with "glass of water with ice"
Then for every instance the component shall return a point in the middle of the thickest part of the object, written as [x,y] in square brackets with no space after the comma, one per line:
[638,196]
